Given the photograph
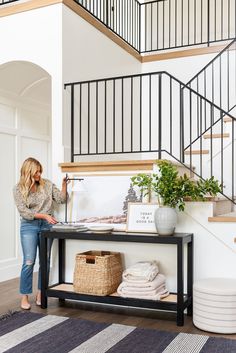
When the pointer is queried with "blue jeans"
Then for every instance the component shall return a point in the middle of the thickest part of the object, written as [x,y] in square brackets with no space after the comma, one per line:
[30,241]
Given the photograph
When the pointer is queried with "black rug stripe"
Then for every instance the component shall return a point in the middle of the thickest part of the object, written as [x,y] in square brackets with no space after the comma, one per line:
[219,345]
[144,341]
[17,320]
[61,338]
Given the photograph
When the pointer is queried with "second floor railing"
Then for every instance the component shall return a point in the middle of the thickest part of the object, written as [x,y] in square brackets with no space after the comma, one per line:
[171,24]
[164,24]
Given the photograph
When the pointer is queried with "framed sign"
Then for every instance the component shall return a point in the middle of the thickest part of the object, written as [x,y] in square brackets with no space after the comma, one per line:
[141,217]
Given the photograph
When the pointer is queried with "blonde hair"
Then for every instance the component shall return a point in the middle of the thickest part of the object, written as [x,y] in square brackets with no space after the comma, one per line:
[29,167]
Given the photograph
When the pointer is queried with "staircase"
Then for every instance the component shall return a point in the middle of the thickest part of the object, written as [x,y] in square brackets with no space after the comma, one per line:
[214,145]
[155,113]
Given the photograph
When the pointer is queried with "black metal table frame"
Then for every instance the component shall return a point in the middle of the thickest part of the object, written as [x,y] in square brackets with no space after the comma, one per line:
[184,301]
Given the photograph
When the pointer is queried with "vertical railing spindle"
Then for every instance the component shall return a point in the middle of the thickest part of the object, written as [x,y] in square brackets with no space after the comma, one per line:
[150,112]
[159,116]
[72,123]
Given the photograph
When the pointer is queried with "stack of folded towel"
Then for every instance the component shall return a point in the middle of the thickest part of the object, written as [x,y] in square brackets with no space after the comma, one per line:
[143,281]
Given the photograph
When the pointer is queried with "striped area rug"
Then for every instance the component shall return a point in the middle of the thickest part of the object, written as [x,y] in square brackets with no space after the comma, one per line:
[27,332]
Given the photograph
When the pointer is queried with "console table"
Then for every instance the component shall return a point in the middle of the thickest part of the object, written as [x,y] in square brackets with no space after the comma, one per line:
[63,290]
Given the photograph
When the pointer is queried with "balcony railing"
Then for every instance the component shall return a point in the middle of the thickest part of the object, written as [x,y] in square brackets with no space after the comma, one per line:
[164,24]
[171,24]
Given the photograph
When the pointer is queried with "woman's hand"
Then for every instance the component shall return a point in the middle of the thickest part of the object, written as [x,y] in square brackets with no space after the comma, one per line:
[50,219]
[46,217]
[64,182]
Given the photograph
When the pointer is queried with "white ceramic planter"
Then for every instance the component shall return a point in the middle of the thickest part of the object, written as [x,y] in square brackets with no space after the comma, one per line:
[165,220]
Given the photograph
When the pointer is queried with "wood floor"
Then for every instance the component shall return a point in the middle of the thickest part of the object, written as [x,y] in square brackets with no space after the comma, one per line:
[10,300]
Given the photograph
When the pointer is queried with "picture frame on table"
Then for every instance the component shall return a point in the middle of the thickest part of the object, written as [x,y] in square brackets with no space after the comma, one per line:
[141,217]
[101,199]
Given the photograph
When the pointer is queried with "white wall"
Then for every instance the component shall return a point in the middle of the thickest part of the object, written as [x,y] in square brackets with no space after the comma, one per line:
[33,37]
[24,132]
[89,54]
[182,68]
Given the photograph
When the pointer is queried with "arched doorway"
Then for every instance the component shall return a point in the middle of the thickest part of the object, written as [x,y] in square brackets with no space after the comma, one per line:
[25,130]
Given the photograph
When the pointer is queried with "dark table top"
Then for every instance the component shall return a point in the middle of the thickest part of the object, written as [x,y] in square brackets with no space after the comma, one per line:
[121,236]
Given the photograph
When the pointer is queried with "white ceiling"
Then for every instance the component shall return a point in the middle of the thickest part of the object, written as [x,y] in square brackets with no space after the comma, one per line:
[26,80]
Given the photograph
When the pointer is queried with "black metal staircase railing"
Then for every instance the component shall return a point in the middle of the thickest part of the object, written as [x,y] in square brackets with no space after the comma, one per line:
[217,83]
[210,148]
[164,24]
[149,113]
[217,80]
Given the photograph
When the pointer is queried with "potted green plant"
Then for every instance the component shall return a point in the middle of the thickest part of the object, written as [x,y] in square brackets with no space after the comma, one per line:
[172,190]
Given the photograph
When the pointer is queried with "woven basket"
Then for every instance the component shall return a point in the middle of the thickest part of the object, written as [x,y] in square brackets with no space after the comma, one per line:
[97,272]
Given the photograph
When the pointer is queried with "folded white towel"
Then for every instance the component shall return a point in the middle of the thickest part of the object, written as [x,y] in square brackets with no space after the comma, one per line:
[154,296]
[144,285]
[142,271]
[140,291]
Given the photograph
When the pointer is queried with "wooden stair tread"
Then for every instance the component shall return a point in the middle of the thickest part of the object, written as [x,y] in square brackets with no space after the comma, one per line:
[196,152]
[227,217]
[215,136]
[227,119]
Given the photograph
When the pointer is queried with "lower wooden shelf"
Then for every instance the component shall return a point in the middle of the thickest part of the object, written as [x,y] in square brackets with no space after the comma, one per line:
[65,291]
[68,287]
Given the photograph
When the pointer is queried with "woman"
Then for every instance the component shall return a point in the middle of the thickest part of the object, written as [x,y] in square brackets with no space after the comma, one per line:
[34,198]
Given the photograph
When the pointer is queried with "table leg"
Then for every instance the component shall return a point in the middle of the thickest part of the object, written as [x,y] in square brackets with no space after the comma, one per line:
[61,260]
[180,284]
[61,263]
[190,278]
[44,270]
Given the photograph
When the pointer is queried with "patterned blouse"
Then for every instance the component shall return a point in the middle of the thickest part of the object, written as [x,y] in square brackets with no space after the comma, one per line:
[38,201]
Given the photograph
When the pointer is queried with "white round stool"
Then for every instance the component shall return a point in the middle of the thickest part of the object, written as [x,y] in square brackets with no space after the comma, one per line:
[214,305]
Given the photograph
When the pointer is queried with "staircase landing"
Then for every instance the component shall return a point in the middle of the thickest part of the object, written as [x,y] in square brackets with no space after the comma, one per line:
[118,166]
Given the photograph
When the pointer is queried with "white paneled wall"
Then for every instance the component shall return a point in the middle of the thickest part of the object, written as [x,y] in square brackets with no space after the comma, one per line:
[24,132]
[8,244]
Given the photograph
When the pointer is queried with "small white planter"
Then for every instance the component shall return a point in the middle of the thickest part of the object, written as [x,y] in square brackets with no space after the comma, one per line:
[165,220]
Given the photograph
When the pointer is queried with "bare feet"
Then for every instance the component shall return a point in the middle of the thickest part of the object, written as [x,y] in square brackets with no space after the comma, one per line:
[25,303]
[38,298]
